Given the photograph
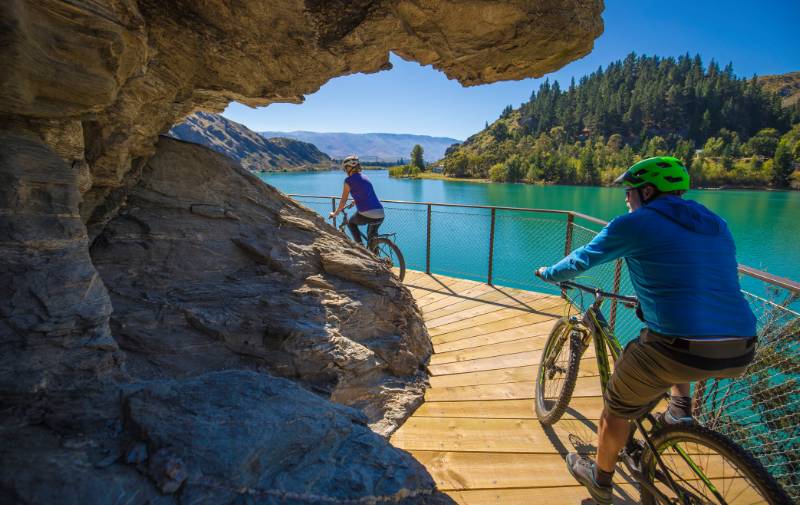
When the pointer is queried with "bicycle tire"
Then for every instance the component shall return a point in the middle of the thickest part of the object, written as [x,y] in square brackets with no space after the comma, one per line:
[550,414]
[377,247]
[751,469]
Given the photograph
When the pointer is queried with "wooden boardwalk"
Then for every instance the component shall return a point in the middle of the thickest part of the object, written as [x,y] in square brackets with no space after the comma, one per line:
[477,431]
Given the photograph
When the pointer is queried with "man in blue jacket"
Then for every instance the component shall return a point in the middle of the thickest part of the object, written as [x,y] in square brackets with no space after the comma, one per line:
[682,263]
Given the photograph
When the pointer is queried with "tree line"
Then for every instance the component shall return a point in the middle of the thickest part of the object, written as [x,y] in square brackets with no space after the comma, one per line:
[728,130]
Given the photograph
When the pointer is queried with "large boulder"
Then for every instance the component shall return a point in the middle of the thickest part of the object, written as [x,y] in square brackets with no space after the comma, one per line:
[218,438]
[231,274]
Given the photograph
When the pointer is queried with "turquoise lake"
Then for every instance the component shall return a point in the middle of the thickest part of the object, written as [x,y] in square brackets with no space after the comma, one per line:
[765,224]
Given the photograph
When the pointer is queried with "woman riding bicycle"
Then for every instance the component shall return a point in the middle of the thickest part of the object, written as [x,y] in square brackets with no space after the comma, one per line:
[370,210]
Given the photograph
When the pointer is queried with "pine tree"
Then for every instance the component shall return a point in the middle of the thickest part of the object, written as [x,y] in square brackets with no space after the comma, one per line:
[416,157]
[782,165]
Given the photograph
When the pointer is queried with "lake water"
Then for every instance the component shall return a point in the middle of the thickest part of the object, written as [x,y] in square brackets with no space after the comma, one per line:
[765,224]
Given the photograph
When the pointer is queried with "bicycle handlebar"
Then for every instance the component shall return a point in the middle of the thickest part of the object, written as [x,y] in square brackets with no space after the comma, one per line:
[627,300]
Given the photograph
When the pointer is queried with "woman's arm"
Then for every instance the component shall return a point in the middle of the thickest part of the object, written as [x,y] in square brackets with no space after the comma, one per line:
[342,201]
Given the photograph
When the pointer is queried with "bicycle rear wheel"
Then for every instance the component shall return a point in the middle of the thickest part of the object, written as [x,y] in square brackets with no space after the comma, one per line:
[708,468]
[558,372]
[389,253]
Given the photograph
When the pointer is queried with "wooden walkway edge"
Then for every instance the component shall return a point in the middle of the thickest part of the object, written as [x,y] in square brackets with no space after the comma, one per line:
[477,432]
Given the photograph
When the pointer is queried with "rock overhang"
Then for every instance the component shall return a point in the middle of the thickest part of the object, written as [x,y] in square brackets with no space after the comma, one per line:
[86,87]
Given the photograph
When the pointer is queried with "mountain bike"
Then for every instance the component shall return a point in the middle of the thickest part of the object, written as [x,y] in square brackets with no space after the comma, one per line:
[380,244]
[673,464]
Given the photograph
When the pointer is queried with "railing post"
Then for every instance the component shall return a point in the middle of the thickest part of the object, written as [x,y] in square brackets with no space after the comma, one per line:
[333,209]
[428,244]
[491,247]
[568,243]
[617,281]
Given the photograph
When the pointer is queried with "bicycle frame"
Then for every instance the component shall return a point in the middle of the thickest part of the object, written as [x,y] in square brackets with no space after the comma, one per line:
[606,344]
[346,220]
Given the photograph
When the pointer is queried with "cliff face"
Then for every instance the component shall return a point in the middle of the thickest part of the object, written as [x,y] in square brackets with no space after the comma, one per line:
[250,149]
[152,295]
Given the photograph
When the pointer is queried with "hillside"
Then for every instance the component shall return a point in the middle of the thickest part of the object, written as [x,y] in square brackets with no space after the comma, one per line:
[787,86]
[635,108]
[253,151]
[376,146]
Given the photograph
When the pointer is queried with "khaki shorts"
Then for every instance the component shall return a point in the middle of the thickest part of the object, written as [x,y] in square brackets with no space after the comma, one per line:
[645,371]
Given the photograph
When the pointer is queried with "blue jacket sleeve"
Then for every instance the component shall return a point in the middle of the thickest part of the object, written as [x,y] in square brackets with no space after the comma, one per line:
[614,241]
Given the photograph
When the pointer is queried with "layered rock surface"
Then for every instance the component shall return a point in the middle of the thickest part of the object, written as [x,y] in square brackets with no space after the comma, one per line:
[231,274]
[144,370]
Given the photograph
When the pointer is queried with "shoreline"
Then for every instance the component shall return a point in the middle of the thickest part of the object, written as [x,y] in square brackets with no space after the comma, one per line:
[442,177]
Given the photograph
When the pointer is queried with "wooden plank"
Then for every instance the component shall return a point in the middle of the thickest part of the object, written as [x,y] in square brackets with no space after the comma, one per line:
[485,301]
[540,328]
[584,387]
[455,471]
[435,295]
[435,282]
[464,292]
[482,324]
[492,328]
[487,372]
[425,284]
[493,363]
[589,408]
[530,343]
[588,368]
[470,470]
[495,435]
[475,311]
[508,391]
[462,288]
[503,375]
[412,275]
[560,495]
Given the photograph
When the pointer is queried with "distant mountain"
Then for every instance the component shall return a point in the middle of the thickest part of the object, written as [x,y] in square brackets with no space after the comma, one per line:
[376,146]
[247,147]
[787,86]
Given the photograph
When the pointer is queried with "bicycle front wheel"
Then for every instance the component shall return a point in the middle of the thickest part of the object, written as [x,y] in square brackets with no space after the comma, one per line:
[708,468]
[558,372]
[390,254]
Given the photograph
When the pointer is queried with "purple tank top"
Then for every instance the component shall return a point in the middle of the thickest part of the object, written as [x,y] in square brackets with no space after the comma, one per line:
[363,193]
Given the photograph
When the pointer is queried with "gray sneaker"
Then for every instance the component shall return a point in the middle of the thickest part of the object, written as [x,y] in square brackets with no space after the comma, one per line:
[677,412]
[582,468]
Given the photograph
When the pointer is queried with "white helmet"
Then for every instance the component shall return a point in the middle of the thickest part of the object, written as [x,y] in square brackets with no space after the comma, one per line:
[351,164]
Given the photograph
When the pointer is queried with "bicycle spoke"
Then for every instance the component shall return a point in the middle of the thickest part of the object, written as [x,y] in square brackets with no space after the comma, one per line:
[555,371]
[690,464]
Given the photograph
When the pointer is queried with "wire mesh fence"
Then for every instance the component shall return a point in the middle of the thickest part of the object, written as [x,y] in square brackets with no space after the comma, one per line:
[760,411]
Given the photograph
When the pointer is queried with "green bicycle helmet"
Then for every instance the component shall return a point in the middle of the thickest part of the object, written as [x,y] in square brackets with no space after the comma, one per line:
[666,173]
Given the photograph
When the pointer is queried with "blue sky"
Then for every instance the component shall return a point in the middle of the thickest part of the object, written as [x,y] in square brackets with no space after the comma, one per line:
[759,37]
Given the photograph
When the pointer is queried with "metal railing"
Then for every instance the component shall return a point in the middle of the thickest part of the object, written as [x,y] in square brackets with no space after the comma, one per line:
[760,411]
